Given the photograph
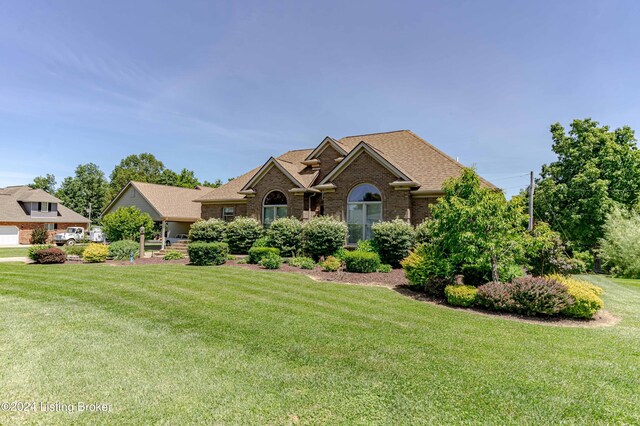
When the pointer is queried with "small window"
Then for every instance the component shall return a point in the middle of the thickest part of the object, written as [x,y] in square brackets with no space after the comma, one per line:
[50,226]
[133,193]
[44,207]
[228,213]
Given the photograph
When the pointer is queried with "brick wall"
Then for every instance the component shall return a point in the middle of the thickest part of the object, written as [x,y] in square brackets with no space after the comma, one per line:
[327,162]
[365,169]
[25,229]
[421,209]
[275,180]
[208,211]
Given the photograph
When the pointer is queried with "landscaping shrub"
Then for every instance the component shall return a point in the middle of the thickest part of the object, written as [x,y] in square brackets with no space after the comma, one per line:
[422,233]
[392,240]
[528,296]
[539,295]
[39,235]
[75,250]
[285,234]
[340,254]
[271,260]
[510,272]
[586,297]
[362,261]
[424,271]
[307,263]
[31,251]
[323,236]
[257,253]
[366,245]
[331,264]
[475,275]
[125,223]
[385,268]
[121,250]
[173,255]
[50,256]
[297,261]
[210,231]
[95,253]
[203,254]
[242,232]
[545,252]
[496,296]
[260,242]
[461,295]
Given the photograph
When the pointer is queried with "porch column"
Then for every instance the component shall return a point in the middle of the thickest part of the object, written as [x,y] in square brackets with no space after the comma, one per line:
[164,223]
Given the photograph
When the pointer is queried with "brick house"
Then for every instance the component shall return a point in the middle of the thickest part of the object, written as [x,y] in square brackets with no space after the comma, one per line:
[23,209]
[359,179]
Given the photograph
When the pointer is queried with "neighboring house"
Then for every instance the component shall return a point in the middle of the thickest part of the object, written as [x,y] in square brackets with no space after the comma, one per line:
[360,179]
[23,209]
[170,206]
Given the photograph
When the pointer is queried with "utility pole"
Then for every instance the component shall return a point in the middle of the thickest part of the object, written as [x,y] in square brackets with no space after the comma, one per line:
[531,188]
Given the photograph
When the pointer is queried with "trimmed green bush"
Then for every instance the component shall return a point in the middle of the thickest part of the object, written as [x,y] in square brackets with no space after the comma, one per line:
[257,253]
[423,270]
[366,245]
[173,255]
[461,295]
[307,263]
[285,234]
[95,253]
[331,264]
[392,240]
[260,242]
[75,250]
[50,256]
[121,250]
[203,254]
[361,261]
[385,268]
[31,251]
[210,231]
[297,261]
[323,236]
[242,232]
[271,261]
[340,254]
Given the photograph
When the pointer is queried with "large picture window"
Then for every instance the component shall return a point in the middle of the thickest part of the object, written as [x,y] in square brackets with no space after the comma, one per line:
[364,208]
[274,207]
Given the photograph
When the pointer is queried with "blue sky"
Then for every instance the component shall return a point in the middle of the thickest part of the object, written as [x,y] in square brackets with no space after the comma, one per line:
[219,87]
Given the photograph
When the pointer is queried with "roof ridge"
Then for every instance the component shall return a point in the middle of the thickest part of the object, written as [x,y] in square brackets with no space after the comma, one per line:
[163,185]
[375,133]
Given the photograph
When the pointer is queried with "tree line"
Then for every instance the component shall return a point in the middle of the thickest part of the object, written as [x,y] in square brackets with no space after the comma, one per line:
[88,191]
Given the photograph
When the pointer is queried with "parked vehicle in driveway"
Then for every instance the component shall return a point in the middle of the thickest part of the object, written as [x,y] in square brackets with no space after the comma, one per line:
[69,237]
[76,234]
[177,238]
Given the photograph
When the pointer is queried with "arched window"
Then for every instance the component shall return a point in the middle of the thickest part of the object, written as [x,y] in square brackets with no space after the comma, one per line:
[364,208]
[274,206]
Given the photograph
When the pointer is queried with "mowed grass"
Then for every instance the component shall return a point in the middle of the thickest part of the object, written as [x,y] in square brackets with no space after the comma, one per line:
[179,344]
[13,251]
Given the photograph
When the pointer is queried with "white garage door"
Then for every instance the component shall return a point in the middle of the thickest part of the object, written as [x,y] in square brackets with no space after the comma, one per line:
[8,235]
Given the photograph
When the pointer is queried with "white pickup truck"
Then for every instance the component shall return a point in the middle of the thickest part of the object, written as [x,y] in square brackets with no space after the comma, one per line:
[76,234]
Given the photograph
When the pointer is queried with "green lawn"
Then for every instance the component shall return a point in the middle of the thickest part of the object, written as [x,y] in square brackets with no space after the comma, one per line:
[179,344]
[13,251]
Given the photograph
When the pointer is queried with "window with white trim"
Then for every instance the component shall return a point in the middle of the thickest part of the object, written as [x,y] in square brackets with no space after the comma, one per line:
[228,213]
[50,226]
[364,208]
[44,207]
[273,207]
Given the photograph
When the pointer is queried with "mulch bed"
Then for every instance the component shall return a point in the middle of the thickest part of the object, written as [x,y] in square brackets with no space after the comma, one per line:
[392,279]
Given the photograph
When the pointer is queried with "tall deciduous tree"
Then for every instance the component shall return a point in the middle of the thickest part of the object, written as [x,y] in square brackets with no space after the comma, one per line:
[87,189]
[141,168]
[187,179]
[596,169]
[47,183]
